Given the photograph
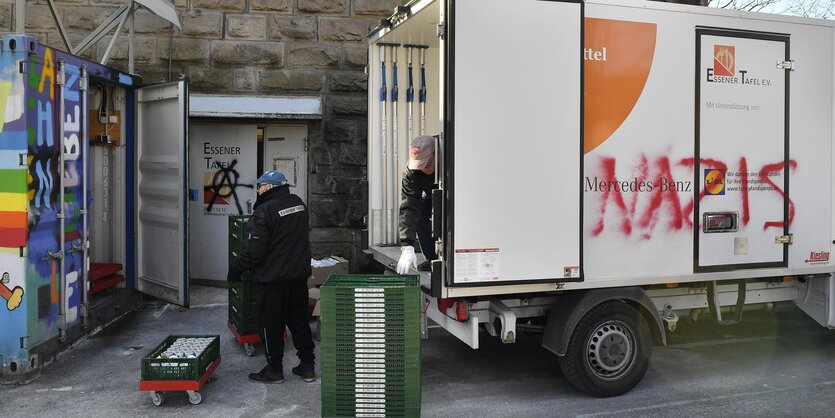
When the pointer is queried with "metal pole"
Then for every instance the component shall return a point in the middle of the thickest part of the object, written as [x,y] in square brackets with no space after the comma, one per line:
[20,17]
[62,279]
[170,49]
[115,38]
[130,45]
[410,94]
[384,139]
[422,97]
[85,155]
[395,146]
[60,25]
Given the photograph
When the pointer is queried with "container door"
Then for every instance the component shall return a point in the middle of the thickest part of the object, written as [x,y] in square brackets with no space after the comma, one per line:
[162,187]
[742,210]
[515,142]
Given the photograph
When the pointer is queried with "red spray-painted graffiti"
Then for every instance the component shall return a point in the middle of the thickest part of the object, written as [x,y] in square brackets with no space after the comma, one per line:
[656,183]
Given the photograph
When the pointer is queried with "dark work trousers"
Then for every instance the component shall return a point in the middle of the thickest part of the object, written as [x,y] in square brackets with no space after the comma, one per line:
[424,229]
[284,303]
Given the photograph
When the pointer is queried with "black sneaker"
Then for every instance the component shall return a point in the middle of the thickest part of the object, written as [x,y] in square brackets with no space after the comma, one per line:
[425,266]
[268,374]
[305,371]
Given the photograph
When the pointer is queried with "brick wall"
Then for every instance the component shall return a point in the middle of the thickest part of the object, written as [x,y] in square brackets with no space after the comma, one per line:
[263,47]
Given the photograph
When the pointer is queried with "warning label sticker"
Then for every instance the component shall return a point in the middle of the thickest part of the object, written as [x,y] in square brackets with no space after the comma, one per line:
[476,264]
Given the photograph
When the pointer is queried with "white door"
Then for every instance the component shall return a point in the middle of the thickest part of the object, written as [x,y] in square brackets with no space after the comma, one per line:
[741,156]
[162,187]
[222,171]
[505,144]
[285,150]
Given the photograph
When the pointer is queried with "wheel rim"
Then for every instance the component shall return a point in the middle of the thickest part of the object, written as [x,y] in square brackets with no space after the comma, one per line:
[610,350]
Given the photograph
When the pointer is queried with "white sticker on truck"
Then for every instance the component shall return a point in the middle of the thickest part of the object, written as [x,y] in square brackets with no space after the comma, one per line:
[476,264]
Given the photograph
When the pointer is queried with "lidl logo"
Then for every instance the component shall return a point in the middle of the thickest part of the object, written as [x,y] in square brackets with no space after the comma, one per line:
[714,181]
[724,59]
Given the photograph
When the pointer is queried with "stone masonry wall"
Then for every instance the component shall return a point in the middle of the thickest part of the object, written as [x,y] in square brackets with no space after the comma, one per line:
[256,47]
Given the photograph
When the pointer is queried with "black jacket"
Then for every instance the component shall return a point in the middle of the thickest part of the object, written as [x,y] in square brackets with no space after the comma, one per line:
[278,242]
[417,187]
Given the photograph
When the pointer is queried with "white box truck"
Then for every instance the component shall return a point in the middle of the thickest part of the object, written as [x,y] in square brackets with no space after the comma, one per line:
[607,166]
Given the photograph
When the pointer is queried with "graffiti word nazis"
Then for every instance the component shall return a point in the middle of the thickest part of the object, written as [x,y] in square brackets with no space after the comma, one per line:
[651,193]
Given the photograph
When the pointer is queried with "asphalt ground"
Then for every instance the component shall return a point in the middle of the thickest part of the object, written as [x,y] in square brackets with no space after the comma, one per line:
[777,363]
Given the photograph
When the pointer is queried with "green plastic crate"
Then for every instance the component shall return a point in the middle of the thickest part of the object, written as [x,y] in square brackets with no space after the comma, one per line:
[237,233]
[400,317]
[243,293]
[154,368]
[242,305]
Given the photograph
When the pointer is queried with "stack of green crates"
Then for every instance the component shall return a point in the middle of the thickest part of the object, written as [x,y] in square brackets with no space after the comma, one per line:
[370,346]
[241,294]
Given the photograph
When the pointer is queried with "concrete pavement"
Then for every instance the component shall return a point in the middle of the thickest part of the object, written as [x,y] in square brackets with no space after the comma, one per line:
[777,364]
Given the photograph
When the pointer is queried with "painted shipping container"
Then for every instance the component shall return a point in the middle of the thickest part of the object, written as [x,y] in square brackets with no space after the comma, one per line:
[70,141]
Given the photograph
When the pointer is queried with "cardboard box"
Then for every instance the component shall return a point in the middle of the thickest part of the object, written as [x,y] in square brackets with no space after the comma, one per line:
[320,274]
[313,300]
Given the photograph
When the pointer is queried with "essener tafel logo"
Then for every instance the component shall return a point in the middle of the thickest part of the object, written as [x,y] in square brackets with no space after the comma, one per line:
[724,59]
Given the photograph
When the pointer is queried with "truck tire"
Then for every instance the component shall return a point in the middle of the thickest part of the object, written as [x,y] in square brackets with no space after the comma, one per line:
[608,351]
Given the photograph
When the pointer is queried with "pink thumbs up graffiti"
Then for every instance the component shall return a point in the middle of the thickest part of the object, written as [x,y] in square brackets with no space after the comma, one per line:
[13,297]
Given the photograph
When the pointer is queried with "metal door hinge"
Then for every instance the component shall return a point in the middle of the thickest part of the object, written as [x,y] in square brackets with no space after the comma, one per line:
[786,65]
[82,82]
[784,239]
[61,75]
[50,256]
[441,30]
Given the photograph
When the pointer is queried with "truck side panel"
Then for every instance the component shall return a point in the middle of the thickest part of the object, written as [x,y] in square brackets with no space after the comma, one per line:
[640,186]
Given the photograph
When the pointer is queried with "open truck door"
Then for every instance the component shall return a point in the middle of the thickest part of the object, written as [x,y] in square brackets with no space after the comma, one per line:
[162,187]
[514,220]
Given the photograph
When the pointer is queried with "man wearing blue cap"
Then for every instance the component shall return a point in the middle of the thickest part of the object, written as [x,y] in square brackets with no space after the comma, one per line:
[277,251]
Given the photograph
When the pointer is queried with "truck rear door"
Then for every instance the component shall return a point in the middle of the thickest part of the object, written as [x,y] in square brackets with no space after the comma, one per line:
[514,141]
[162,187]
[742,207]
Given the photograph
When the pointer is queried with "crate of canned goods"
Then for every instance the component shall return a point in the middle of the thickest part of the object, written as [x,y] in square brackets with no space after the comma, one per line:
[181,357]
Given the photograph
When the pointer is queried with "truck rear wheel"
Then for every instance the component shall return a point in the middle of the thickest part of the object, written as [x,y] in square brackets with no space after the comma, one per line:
[609,350]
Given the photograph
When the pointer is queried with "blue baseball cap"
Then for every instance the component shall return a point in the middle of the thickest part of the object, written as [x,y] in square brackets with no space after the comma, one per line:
[275,178]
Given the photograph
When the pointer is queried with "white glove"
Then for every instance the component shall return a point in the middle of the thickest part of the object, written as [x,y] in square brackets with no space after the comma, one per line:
[407,258]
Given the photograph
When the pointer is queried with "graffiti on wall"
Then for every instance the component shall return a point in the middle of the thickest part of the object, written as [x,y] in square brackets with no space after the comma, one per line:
[220,187]
[648,198]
